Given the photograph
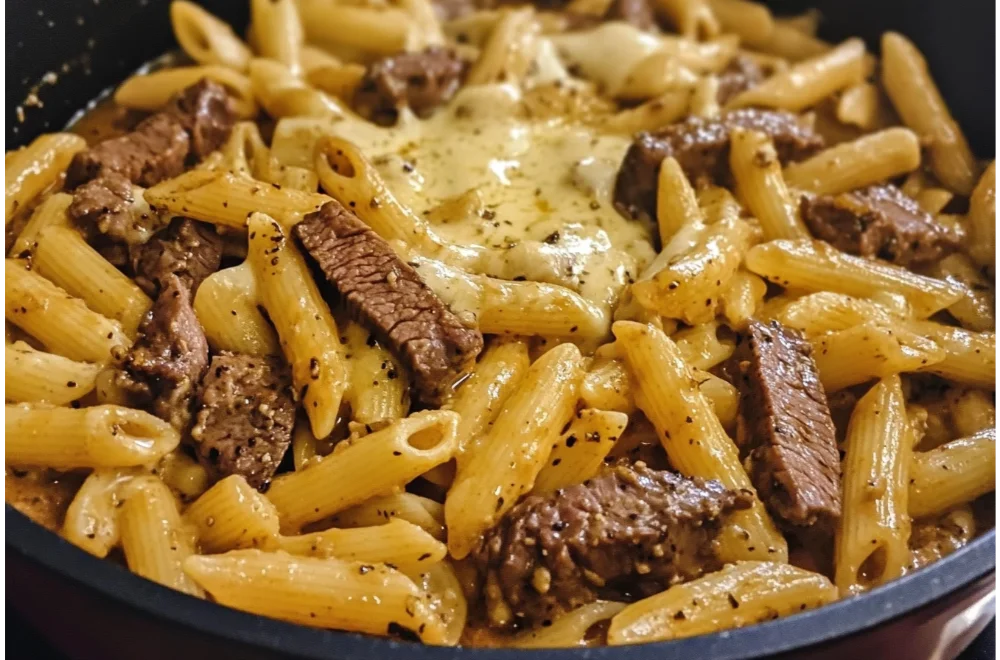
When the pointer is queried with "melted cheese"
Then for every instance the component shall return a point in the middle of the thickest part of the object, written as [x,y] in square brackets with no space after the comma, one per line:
[485,177]
[608,53]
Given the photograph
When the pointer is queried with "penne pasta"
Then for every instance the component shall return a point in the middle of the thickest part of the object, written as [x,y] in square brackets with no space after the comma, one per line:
[581,450]
[397,542]
[751,21]
[701,347]
[509,50]
[693,19]
[307,331]
[324,593]
[37,377]
[151,92]
[740,594]
[378,384]
[570,629]
[52,211]
[91,521]
[227,305]
[982,219]
[62,256]
[954,473]
[403,451]
[154,538]
[277,32]
[282,94]
[205,38]
[810,81]
[968,357]
[669,396]
[425,513]
[757,171]
[871,543]
[185,476]
[29,171]
[816,266]
[231,515]
[97,437]
[676,202]
[375,30]
[916,98]
[507,458]
[870,159]
[742,299]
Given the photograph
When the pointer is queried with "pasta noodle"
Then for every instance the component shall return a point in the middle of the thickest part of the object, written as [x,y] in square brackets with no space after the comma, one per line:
[38,377]
[954,473]
[207,39]
[29,171]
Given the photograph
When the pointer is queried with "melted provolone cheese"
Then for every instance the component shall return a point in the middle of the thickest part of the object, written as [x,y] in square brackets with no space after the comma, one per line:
[607,53]
[539,193]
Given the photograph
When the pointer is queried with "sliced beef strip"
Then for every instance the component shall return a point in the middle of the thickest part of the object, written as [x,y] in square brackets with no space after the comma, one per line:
[207,114]
[189,249]
[423,81]
[701,146]
[389,296]
[156,150]
[166,363]
[104,206]
[245,417]
[786,427]
[741,74]
[878,222]
[627,533]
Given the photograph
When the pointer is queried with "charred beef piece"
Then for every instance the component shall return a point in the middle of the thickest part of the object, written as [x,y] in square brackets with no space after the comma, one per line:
[105,204]
[188,249]
[423,81]
[878,222]
[207,114]
[166,363]
[786,427]
[701,146]
[741,74]
[197,120]
[627,533]
[245,417]
[389,296]
[154,151]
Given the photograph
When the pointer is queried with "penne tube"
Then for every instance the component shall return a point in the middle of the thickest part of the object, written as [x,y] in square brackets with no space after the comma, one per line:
[693,19]
[982,219]
[871,542]
[227,305]
[689,285]
[282,94]
[859,106]
[738,595]
[570,629]
[62,256]
[538,308]
[810,81]
[669,396]
[581,450]
[50,212]
[700,346]
[97,437]
[207,39]
[378,384]
[509,50]
[33,376]
[227,199]
[323,593]
[664,109]
[185,476]
[789,43]
[742,299]
[398,542]
[656,74]
[868,160]
[504,462]
[61,322]
[91,521]
[705,98]
[973,411]
[425,513]
[723,396]
[954,473]
[340,80]
[916,98]
[307,331]
[969,357]
[751,21]
[402,451]
[446,593]
[245,152]
[231,515]
[816,266]
[863,352]
[373,30]
[277,32]
[676,202]
[817,314]
[608,386]
[154,538]
[150,92]
[757,172]
[36,167]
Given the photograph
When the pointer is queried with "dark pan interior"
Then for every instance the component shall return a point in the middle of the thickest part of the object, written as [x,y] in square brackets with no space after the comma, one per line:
[91,45]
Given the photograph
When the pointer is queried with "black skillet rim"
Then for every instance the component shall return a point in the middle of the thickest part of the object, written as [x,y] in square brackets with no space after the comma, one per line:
[835,621]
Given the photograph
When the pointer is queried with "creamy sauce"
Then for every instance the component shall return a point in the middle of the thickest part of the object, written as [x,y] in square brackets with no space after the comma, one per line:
[483,176]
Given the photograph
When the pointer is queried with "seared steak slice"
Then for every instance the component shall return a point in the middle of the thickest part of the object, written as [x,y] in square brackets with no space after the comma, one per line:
[878,222]
[207,114]
[389,296]
[423,81]
[189,249]
[741,74]
[245,417]
[786,426]
[701,146]
[166,363]
[627,533]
